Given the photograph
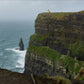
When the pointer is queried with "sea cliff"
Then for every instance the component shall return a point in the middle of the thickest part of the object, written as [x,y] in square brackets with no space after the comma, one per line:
[57,47]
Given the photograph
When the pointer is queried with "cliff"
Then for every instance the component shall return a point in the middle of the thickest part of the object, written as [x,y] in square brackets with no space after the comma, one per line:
[58,37]
[60,31]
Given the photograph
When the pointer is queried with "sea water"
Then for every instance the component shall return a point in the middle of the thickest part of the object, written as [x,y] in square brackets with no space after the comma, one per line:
[10,34]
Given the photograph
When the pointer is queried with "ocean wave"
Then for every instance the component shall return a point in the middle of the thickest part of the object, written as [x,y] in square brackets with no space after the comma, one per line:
[3,40]
[1,54]
[21,57]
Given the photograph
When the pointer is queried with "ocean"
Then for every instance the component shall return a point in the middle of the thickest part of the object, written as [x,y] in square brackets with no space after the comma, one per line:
[10,34]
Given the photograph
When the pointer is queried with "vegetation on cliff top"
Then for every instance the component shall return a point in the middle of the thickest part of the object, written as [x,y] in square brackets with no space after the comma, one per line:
[57,16]
[45,51]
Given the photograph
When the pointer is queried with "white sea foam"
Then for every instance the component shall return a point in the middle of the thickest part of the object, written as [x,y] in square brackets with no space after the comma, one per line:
[21,57]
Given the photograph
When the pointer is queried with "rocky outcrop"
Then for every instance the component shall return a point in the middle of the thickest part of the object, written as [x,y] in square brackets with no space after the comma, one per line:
[58,37]
[21,45]
[78,82]
[8,77]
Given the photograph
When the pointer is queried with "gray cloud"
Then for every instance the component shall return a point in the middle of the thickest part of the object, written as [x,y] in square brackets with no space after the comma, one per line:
[28,10]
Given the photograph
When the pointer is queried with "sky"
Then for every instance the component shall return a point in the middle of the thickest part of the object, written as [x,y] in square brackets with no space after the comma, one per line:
[25,10]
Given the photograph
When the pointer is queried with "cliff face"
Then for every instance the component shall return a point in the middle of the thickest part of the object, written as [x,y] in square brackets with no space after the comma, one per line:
[40,60]
[60,31]
[58,37]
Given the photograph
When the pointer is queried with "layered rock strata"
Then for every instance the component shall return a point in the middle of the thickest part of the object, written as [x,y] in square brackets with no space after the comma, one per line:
[58,37]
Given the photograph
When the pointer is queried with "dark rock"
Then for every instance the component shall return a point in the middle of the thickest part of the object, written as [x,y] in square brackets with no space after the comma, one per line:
[17,48]
[78,82]
[21,45]
[8,77]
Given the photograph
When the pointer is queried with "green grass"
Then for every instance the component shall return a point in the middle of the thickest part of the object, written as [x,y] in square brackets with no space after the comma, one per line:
[53,55]
[46,52]
[58,16]
[37,37]
[78,50]
[69,62]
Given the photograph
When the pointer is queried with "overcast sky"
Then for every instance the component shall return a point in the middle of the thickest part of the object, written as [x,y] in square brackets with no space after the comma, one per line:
[24,10]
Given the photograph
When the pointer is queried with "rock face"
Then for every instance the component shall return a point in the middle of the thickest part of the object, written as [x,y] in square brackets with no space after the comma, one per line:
[21,45]
[62,32]
[58,37]
[40,60]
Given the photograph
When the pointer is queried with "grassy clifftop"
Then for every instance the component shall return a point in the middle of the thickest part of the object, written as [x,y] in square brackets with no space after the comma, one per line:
[58,15]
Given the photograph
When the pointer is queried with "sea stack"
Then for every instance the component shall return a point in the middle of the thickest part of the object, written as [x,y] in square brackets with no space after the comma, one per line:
[21,45]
